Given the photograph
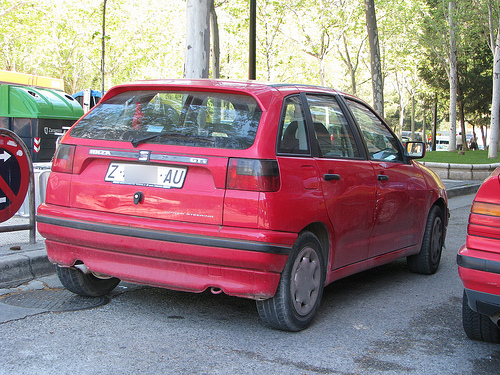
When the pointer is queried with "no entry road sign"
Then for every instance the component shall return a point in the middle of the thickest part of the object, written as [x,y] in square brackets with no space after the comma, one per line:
[15,169]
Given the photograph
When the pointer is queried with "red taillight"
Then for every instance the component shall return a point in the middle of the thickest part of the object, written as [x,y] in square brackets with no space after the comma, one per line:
[253,174]
[63,159]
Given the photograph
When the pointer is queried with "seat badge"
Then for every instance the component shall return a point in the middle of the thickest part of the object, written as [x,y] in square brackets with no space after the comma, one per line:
[144,155]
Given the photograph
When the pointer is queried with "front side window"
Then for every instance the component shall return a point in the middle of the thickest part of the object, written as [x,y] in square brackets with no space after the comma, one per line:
[293,131]
[333,133]
[381,144]
[202,119]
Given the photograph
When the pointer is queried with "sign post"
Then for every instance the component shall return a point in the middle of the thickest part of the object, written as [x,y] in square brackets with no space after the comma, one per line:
[16,179]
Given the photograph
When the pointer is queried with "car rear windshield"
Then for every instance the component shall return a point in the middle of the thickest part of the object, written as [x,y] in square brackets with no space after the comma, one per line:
[201,119]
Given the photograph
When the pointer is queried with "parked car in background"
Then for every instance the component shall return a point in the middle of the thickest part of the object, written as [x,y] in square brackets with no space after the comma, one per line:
[406,136]
[479,264]
[262,191]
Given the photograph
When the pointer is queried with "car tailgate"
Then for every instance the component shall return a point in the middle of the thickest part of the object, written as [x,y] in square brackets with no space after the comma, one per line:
[148,184]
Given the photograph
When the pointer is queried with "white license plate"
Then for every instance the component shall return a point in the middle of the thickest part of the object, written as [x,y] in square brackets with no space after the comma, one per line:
[146,175]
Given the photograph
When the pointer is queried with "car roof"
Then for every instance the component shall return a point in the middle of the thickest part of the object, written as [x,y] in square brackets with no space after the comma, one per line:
[261,91]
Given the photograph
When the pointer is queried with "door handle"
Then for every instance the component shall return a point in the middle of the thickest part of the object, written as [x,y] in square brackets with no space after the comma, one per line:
[331,177]
[382,177]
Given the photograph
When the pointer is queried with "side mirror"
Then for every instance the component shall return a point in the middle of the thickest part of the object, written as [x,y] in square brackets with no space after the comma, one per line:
[415,150]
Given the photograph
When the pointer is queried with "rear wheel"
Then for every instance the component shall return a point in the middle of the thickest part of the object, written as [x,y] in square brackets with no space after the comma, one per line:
[427,260]
[478,326]
[86,285]
[299,293]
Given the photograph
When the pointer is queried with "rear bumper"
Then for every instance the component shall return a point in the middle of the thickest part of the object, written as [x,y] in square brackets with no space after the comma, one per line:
[240,262]
[481,279]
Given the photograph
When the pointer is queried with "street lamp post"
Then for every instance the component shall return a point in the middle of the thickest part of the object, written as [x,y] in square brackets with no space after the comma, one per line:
[103,45]
[252,44]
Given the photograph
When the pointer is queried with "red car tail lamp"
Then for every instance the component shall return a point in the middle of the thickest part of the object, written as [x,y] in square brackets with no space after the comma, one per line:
[484,222]
[253,175]
[63,159]
[483,208]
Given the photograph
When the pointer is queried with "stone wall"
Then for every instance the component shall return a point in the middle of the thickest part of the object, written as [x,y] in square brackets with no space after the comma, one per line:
[474,172]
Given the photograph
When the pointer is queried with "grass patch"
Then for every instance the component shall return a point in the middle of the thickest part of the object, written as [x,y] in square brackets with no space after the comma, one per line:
[470,157]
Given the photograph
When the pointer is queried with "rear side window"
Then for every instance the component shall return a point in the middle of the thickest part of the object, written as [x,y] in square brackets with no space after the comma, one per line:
[293,131]
[201,119]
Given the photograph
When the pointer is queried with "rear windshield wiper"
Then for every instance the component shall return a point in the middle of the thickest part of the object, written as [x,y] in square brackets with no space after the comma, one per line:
[138,141]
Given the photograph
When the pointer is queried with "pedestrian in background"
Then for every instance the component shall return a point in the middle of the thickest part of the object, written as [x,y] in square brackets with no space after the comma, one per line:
[459,142]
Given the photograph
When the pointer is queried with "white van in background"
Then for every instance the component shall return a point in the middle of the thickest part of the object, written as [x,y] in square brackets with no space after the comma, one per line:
[442,143]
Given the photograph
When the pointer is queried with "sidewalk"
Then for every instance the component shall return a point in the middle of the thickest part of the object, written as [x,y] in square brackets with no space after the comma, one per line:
[21,261]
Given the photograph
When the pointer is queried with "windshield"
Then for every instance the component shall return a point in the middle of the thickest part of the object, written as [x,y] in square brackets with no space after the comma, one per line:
[202,119]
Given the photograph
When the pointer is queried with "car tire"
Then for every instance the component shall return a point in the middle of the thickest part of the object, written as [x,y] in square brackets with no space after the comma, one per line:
[86,285]
[299,293]
[478,326]
[427,260]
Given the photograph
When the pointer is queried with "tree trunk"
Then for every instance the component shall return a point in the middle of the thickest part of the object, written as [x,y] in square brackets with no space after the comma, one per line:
[462,125]
[453,77]
[322,71]
[412,117]
[352,72]
[424,125]
[376,66]
[214,29]
[402,106]
[197,54]
[434,122]
[484,137]
[495,103]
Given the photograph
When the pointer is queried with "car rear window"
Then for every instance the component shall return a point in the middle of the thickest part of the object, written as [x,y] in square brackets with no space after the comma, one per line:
[201,119]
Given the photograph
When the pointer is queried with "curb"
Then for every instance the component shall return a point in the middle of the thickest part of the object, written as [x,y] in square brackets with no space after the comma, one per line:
[17,269]
[462,190]
[451,171]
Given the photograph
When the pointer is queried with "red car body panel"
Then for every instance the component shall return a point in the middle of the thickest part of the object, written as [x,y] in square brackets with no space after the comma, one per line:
[479,258]
[204,235]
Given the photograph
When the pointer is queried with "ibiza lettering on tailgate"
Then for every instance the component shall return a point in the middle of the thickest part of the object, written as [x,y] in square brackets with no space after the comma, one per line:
[100,152]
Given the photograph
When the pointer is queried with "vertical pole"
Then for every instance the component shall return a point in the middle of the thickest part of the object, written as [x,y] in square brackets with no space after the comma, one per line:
[103,45]
[252,44]
[32,205]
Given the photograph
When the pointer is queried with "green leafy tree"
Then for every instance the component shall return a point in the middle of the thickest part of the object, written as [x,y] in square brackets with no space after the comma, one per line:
[21,23]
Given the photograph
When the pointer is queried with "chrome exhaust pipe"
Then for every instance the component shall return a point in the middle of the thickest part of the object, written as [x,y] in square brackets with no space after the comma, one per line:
[82,267]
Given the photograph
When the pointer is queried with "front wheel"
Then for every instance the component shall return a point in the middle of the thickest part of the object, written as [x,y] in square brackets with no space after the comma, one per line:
[478,326]
[86,285]
[299,293]
[427,260]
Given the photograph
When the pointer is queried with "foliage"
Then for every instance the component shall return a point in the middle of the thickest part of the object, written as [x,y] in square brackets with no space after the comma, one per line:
[62,39]
[475,63]
[302,41]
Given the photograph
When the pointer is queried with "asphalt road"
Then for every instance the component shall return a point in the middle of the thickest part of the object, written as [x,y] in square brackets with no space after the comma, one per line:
[383,321]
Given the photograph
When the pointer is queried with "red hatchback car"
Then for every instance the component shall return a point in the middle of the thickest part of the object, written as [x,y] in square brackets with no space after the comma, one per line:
[479,264]
[261,191]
